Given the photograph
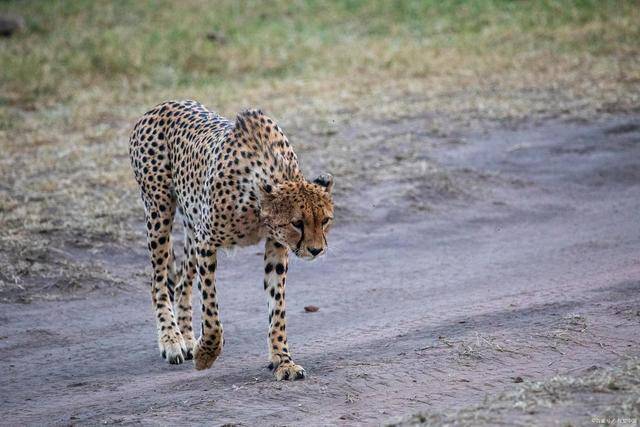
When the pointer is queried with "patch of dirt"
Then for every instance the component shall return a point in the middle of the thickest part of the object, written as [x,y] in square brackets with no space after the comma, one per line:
[59,266]
[492,272]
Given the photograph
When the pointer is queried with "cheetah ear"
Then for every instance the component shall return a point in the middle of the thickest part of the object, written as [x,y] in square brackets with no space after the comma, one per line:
[325,180]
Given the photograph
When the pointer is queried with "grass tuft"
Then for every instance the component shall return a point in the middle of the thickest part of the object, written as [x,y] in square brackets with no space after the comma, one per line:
[535,401]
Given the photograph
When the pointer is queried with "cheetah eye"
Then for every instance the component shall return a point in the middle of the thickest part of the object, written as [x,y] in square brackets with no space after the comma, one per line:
[326,221]
[298,224]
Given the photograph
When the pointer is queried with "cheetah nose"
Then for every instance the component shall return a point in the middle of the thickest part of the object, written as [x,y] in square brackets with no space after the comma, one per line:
[314,251]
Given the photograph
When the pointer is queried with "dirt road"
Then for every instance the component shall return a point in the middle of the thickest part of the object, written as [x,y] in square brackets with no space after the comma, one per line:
[521,264]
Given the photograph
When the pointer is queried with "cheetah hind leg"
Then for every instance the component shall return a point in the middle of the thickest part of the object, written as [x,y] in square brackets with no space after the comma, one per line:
[175,273]
[170,341]
[179,284]
[182,304]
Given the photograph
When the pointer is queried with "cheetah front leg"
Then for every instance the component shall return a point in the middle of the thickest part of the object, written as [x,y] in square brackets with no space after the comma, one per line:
[276,264]
[170,339]
[209,345]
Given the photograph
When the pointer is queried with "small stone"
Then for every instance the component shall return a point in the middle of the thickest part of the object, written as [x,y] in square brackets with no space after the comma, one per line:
[518,380]
[216,36]
[311,309]
[11,24]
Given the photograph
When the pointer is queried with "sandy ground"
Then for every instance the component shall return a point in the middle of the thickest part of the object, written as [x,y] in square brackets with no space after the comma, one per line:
[521,263]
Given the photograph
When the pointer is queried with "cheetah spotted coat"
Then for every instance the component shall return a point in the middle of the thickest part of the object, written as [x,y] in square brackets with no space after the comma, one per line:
[234,183]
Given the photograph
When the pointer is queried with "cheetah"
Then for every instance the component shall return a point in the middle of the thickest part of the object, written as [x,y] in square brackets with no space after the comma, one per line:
[234,183]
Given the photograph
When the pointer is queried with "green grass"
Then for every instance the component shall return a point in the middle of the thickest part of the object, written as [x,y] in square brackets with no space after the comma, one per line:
[73,46]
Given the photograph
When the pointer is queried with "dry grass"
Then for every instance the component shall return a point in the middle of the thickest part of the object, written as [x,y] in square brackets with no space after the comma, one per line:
[571,331]
[50,273]
[618,391]
[469,351]
[74,81]
[573,398]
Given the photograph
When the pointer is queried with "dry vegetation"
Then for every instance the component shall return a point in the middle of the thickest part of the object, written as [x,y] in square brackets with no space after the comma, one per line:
[610,393]
[74,80]
[536,402]
[82,71]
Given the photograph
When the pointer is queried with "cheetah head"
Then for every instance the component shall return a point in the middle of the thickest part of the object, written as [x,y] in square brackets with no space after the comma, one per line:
[298,214]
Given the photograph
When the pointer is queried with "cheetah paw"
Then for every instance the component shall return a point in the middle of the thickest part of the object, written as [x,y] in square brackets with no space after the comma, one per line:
[204,356]
[289,371]
[173,350]
[190,345]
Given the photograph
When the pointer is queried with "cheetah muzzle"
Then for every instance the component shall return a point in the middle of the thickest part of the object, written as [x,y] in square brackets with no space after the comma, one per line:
[235,183]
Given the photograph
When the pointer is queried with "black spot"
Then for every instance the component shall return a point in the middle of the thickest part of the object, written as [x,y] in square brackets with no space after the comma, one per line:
[280,268]
[269,268]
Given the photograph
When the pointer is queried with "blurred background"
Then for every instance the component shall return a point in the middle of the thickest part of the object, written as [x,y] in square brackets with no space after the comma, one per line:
[332,51]
[76,74]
